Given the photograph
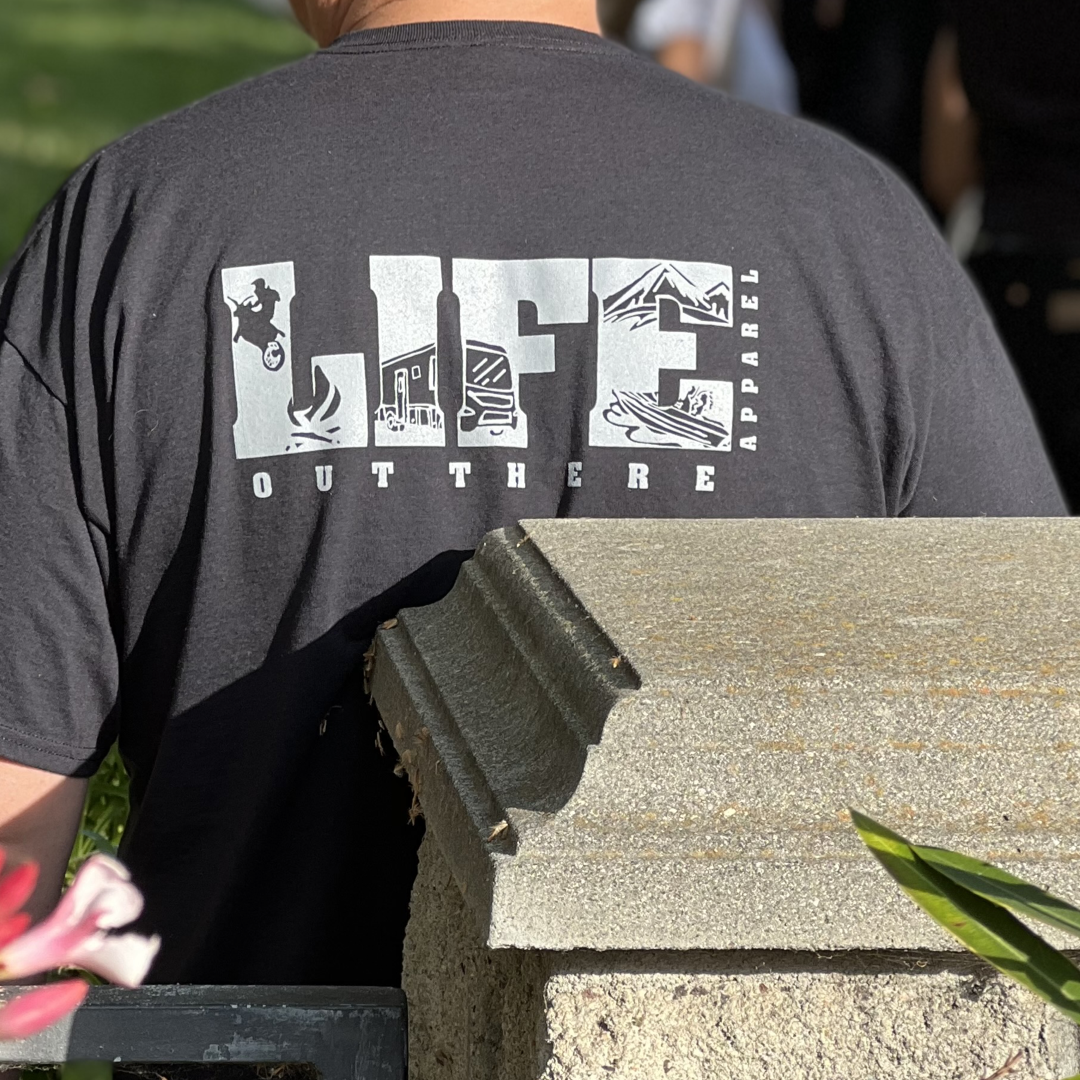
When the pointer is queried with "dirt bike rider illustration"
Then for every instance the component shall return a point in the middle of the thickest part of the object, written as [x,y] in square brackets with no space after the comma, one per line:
[254,323]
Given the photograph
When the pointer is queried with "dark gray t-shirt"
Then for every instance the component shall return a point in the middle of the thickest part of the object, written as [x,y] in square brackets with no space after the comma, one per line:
[272,365]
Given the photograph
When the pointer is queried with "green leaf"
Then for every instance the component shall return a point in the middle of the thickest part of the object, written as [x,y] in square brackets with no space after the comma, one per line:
[979,924]
[993,883]
[101,843]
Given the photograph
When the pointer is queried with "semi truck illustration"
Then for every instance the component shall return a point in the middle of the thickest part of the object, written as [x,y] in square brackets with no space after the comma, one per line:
[490,398]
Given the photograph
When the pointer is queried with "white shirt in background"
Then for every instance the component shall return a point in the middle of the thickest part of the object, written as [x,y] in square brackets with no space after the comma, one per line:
[743,51]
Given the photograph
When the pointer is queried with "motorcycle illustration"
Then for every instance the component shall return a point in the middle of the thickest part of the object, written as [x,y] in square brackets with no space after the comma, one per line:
[254,323]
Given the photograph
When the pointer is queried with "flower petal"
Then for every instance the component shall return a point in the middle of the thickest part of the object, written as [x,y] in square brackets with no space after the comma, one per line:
[44,947]
[35,1010]
[13,927]
[17,887]
[100,898]
[101,888]
[123,959]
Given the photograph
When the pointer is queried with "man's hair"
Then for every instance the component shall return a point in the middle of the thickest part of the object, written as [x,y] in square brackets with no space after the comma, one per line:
[615,16]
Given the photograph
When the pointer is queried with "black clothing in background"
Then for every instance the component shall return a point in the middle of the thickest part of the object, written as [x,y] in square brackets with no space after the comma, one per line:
[1020,64]
[1035,298]
[864,77]
[271,366]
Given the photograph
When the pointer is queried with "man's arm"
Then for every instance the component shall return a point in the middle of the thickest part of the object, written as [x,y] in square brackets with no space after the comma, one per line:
[686,56]
[39,817]
[950,151]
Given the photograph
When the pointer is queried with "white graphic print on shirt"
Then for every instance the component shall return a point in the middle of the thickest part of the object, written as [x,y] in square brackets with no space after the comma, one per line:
[636,341]
[650,315]
[268,420]
[496,357]
[407,288]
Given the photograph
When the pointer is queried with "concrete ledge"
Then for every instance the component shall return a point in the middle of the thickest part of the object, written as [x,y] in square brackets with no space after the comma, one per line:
[642,735]
[481,1014]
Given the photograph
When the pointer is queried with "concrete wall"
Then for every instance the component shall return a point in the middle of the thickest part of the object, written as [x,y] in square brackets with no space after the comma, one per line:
[474,1012]
[483,1014]
[635,743]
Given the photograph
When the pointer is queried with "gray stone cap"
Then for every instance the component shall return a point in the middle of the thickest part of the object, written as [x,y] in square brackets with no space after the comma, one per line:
[644,734]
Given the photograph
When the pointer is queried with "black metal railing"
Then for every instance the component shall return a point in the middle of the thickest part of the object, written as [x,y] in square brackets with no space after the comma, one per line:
[340,1033]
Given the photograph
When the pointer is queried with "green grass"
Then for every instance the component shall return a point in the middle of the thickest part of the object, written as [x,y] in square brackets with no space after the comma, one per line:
[76,74]
[105,813]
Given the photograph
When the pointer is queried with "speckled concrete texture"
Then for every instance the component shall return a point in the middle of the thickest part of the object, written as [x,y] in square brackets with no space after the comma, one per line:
[473,1012]
[618,725]
[634,743]
[481,1014]
[799,1026]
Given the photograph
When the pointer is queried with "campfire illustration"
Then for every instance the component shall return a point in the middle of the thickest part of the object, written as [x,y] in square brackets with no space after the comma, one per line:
[316,423]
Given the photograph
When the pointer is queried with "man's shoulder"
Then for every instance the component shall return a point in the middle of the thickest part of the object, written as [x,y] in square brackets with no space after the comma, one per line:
[218,128]
[719,128]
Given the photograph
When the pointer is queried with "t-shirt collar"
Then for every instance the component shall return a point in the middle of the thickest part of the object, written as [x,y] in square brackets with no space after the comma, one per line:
[468,32]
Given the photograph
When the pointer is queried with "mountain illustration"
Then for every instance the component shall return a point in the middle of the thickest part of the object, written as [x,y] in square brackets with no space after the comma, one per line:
[640,300]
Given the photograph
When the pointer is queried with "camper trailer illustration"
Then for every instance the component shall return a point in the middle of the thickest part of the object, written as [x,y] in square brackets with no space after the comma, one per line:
[490,396]
[408,392]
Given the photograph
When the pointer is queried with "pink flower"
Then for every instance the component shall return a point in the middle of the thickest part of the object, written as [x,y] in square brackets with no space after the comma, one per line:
[35,1010]
[77,934]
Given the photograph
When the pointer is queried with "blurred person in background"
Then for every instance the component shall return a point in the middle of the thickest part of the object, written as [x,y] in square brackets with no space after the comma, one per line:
[731,44]
[861,66]
[1003,113]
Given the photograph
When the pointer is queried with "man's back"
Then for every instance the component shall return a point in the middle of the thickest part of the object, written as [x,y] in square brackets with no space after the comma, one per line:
[277,362]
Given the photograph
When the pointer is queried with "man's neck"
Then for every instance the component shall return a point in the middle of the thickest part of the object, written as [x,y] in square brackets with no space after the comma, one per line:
[368,14]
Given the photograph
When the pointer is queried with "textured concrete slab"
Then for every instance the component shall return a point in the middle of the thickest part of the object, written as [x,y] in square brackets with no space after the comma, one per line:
[482,1014]
[643,734]
[814,1025]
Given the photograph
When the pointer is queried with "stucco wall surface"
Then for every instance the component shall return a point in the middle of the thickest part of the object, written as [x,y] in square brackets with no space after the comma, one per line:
[798,1026]
[482,1014]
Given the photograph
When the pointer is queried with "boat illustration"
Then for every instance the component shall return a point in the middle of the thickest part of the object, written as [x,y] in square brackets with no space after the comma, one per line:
[686,422]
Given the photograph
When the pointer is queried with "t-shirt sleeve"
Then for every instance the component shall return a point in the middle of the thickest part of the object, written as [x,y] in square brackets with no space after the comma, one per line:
[59,669]
[981,452]
[58,665]
[970,446]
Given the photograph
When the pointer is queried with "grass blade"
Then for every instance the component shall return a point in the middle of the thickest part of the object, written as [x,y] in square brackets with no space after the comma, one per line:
[993,883]
[979,924]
